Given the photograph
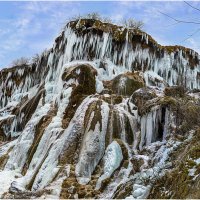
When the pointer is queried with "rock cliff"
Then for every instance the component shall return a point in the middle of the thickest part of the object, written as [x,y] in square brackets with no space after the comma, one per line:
[104,113]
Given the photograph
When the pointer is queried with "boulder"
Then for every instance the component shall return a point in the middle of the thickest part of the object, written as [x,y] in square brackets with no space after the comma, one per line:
[127,83]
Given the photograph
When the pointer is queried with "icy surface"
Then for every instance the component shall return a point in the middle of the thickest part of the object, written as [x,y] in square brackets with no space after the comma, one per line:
[150,126]
[197,161]
[112,159]
[19,153]
[93,147]
[152,78]
[6,178]
[140,191]
[102,54]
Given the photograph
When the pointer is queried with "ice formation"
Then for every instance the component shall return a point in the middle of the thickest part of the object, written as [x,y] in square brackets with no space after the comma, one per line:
[112,160]
[60,112]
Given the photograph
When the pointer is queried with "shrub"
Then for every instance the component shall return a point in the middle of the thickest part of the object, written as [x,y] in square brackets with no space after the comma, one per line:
[175,91]
[107,20]
[35,59]
[94,15]
[133,24]
[21,61]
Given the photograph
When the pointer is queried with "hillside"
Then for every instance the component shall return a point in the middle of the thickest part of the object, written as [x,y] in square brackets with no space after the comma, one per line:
[107,112]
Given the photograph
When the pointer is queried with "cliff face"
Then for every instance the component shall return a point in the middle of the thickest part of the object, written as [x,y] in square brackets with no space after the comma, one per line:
[97,116]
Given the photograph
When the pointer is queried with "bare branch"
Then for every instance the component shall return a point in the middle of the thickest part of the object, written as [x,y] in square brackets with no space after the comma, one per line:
[94,15]
[191,6]
[180,21]
[35,59]
[107,20]
[21,61]
[172,24]
[133,24]
[191,35]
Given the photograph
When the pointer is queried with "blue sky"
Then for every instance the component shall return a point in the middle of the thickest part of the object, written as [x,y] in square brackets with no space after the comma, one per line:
[27,28]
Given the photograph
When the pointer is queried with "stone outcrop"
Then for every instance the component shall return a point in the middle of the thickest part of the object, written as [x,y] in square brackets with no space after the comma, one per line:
[103,114]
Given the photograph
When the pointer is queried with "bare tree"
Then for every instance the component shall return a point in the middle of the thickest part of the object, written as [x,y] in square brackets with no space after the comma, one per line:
[76,17]
[45,52]
[94,15]
[178,21]
[35,58]
[21,61]
[139,25]
[133,24]
[107,20]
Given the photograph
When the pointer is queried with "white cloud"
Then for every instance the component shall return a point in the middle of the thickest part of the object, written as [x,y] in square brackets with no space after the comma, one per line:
[32,26]
[194,44]
[37,23]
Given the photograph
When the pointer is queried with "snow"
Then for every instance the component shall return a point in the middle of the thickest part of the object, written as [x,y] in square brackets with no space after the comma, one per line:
[140,191]
[4,150]
[197,161]
[6,178]
[159,155]
[99,86]
[145,159]
[120,178]
[6,117]
[192,171]
[152,78]
[109,61]
[56,186]
[195,95]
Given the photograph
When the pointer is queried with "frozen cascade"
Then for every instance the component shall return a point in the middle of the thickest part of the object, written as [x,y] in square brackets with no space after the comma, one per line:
[93,147]
[79,47]
[48,157]
[154,126]
[50,135]
[108,59]
[49,167]
[76,45]
[124,116]
[112,159]
[27,137]
[18,155]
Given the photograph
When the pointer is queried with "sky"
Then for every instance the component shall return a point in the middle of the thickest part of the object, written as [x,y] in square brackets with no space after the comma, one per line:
[27,28]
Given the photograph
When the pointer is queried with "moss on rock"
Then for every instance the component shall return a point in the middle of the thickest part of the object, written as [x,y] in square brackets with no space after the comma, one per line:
[175,91]
[70,188]
[85,75]
[126,84]
[136,36]
[168,101]
[141,98]
[179,183]
[39,130]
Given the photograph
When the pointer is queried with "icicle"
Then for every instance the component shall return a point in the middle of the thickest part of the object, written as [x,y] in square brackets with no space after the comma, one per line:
[150,126]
